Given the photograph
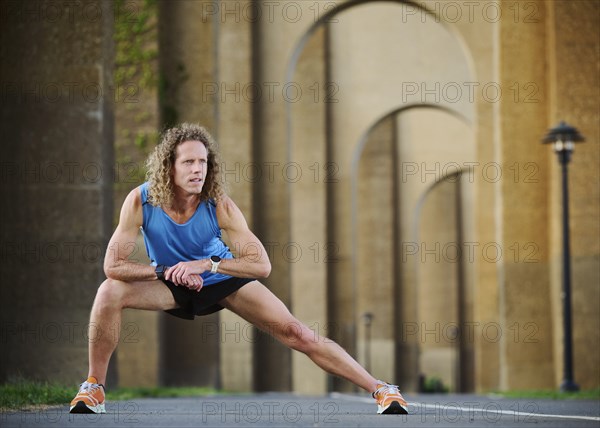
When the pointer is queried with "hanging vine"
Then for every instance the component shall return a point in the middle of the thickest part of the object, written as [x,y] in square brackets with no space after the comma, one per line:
[136,82]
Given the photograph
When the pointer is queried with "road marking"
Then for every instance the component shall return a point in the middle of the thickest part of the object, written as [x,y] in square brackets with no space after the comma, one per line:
[514,413]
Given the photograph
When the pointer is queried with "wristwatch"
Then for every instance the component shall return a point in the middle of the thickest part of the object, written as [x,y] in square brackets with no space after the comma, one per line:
[160,271]
[215,261]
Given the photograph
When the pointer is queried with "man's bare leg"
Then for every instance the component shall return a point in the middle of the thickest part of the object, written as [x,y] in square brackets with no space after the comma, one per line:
[105,319]
[257,305]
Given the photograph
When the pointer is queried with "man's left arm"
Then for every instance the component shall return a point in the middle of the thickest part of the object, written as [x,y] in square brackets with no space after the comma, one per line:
[252,260]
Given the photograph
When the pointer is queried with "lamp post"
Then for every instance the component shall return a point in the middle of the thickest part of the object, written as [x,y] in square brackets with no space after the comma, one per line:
[564,137]
[367,320]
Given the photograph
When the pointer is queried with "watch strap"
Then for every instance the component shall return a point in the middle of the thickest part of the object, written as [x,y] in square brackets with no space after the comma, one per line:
[160,271]
[214,265]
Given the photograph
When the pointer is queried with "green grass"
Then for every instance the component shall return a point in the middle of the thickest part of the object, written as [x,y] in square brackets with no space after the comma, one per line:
[24,394]
[591,394]
[21,394]
[164,392]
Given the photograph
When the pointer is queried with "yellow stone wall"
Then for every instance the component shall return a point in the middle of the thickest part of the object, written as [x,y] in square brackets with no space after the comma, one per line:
[341,125]
[358,147]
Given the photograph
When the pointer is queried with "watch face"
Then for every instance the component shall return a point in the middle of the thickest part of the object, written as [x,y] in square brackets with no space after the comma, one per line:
[215,259]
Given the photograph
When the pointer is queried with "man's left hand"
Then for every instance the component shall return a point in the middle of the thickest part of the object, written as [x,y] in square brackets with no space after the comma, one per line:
[188,274]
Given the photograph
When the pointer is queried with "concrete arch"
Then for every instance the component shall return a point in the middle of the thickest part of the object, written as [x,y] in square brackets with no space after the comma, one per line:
[414,206]
[354,169]
[463,68]
[451,356]
[292,63]
[419,207]
[297,51]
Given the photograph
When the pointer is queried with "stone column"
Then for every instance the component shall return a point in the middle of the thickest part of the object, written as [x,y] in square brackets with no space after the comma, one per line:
[271,198]
[524,325]
[234,99]
[376,281]
[56,122]
[277,28]
[438,284]
[482,40]
[309,253]
[187,49]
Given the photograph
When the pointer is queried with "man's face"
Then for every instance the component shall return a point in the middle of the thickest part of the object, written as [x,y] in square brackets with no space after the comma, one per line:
[191,166]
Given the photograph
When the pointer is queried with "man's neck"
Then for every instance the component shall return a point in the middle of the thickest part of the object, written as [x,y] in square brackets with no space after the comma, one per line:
[183,203]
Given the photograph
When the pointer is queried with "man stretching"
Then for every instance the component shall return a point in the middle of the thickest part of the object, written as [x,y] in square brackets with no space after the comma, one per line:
[181,210]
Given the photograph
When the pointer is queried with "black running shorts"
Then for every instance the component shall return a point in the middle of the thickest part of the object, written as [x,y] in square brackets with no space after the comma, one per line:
[205,302]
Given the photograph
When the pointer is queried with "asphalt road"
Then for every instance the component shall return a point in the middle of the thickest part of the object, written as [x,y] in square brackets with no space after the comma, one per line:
[334,410]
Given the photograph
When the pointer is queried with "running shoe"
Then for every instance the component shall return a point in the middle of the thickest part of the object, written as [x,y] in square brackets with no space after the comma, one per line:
[389,400]
[90,398]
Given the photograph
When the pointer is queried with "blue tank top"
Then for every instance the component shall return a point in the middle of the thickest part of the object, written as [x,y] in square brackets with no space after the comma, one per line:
[168,243]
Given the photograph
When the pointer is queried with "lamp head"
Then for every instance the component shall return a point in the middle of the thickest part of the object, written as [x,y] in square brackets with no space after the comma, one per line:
[563,137]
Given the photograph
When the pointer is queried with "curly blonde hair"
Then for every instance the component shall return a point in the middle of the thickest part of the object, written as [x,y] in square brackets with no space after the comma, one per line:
[162,159]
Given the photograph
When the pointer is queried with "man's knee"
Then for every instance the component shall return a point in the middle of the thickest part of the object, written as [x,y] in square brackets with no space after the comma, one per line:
[111,293]
[299,337]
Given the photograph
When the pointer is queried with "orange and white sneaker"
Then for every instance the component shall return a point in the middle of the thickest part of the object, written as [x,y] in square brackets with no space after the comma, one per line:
[90,398]
[389,400]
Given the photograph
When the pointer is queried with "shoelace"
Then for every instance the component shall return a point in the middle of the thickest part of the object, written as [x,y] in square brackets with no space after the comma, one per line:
[88,387]
[387,388]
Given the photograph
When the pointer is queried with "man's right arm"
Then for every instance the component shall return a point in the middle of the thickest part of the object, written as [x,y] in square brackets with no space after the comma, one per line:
[123,242]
